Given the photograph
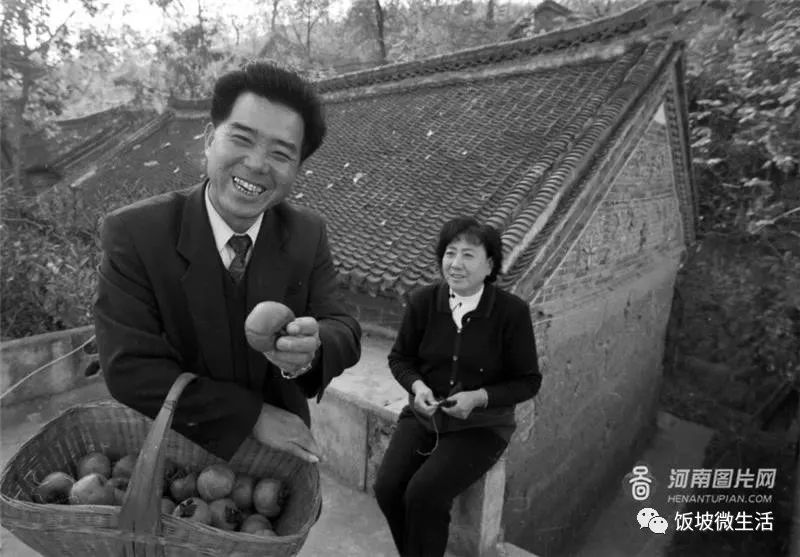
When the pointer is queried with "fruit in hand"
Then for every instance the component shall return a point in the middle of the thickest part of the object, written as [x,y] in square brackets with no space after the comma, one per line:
[92,489]
[123,468]
[120,486]
[94,463]
[225,515]
[183,486]
[254,523]
[266,322]
[242,493]
[268,497]
[215,482]
[54,488]
[193,508]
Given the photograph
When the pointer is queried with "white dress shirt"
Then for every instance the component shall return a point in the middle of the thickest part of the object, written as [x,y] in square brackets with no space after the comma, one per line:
[223,232]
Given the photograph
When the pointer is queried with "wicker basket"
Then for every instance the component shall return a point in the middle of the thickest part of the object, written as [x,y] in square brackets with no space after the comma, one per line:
[138,528]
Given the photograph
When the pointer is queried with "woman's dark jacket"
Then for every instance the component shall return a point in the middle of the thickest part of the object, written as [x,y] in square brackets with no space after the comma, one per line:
[495,349]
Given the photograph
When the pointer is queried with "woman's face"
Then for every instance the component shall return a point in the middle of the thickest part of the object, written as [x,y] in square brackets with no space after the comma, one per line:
[465,266]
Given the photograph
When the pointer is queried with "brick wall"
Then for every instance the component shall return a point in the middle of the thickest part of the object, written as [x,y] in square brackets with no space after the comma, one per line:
[638,219]
[600,321]
[381,311]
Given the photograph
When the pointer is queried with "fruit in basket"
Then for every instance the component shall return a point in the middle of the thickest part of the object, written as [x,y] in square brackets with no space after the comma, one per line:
[254,523]
[167,505]
[215,482]
[266,533]
[242,493]
[193,508]
[171,470]
[92,489]
[123,468]
[269,496]
[120,486]
[54,488]
[183,486]
[265,323]
[225,514]
[94,463]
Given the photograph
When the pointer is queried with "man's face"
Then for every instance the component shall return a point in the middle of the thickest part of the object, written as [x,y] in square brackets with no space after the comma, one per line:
[252,158]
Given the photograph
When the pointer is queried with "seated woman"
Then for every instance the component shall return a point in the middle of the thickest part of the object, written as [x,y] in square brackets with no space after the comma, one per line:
[466,354]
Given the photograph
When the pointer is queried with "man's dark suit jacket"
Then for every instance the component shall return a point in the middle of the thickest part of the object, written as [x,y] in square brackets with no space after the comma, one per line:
[160,310]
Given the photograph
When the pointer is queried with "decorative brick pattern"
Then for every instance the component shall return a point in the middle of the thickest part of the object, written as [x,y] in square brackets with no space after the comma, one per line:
[639,217]
[676,120]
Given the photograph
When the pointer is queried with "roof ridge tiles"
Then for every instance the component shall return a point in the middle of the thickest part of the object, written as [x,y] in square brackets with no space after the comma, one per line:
[526,188]
[523,232]
[138,134]
[648,15]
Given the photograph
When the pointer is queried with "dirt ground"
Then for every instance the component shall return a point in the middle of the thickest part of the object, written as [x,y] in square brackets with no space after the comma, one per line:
[731,363]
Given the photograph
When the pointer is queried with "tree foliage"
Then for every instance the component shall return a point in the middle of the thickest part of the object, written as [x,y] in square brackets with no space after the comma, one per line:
[34,91]
[744,86]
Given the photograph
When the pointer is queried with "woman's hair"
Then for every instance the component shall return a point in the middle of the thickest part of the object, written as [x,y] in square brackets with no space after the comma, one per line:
[469,229]
[278,85]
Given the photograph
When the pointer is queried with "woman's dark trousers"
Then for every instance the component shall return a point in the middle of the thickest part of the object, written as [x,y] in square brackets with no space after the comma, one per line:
[415,492]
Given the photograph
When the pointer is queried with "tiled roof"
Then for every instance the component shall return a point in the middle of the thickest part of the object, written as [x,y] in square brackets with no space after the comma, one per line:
[166,157]
[78,138]
[396,166]
[494,132]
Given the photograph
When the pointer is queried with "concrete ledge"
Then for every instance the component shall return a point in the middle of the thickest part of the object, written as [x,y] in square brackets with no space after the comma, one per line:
[476,528]
[21,356]
[340,429]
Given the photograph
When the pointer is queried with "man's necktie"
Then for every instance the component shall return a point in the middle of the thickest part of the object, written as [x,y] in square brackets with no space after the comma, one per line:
[239,243]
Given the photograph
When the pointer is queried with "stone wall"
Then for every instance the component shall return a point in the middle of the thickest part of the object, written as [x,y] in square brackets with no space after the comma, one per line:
[376,312]
[600,324]
[66,349]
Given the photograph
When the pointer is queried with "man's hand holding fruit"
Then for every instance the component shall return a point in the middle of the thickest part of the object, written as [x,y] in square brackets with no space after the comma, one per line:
[291,344]
[288,342]
[295,351]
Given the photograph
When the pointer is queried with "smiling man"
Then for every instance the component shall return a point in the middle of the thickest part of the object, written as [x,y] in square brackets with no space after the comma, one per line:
[181,272]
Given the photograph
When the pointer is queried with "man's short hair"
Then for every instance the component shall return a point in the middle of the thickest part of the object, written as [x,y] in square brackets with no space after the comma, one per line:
[278,85]
[476,233]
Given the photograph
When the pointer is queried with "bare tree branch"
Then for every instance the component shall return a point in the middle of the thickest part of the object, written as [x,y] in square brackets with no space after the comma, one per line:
[46,44]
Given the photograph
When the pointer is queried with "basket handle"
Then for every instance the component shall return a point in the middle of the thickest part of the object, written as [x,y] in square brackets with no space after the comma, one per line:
[141,510]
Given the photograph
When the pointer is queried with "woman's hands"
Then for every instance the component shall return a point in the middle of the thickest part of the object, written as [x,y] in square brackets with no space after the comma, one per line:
[463,403]
[424,401]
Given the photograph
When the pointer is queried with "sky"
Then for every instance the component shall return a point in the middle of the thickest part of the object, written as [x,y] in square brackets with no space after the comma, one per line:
[149,20]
